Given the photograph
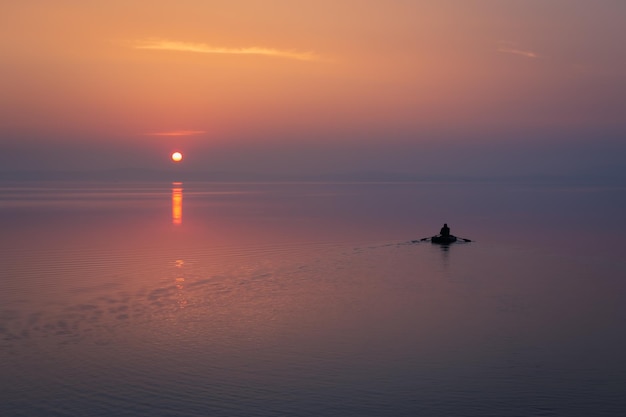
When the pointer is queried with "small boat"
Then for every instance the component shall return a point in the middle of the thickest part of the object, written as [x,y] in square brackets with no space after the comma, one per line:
[443,240]
[444,237]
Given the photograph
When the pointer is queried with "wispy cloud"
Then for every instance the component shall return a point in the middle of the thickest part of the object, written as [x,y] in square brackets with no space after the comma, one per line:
[202,48]
[511,48]
[177,133]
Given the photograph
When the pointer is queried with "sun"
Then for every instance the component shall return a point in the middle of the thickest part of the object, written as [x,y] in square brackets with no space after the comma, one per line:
[177,156]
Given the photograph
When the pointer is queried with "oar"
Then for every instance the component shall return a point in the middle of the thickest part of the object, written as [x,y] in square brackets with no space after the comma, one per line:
[428,238]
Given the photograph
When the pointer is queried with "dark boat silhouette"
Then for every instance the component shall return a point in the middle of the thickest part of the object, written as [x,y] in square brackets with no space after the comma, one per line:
[443,240]
[444,237]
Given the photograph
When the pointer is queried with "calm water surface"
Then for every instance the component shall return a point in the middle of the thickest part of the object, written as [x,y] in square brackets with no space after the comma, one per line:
[311,300]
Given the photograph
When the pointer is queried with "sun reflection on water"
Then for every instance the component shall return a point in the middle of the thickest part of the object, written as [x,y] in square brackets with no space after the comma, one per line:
[180,283]
[177,219]
[177,203]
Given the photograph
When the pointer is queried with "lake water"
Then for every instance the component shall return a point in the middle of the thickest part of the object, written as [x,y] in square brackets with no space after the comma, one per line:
[199,299]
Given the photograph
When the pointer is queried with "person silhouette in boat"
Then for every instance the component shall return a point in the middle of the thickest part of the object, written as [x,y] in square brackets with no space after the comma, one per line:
[445,230]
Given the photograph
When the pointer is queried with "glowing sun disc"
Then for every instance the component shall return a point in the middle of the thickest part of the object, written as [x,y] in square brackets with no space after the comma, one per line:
[177,156]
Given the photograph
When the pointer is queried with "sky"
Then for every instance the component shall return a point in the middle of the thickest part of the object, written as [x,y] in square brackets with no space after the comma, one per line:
[481,88]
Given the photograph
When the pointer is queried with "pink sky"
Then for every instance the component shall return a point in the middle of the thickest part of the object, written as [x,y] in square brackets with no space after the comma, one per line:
[323,86]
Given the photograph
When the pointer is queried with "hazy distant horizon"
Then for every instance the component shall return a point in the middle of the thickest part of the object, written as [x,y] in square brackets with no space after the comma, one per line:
[147,175]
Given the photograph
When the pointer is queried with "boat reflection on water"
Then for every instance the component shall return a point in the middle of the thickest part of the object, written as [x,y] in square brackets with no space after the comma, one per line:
[177,203]
[444,249]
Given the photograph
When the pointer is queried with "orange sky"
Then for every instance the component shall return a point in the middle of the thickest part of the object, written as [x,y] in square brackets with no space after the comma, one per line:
[217,74]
